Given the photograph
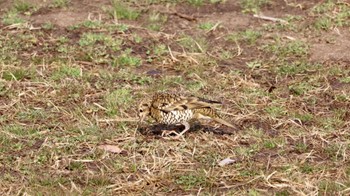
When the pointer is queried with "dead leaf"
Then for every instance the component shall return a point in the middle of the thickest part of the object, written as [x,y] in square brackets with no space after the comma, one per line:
[111,148]
[226,162]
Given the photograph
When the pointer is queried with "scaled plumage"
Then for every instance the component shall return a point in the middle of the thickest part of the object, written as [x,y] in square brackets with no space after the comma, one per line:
[169,108]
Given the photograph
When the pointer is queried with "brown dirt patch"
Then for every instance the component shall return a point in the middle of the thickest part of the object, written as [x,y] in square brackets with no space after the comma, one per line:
[61,18]
[333,46]
[75,13]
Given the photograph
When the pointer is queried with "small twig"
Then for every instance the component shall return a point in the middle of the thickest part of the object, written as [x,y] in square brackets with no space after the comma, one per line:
[270,18]
[83,160]
[184,16]
[199,46]
[63,187]
[99,106]
[85,63]
[74,187]
[214,27]
[289,37]
[239,49]
[171,54]
[199,191]
[190,58]
[118,120]
[345,190]
[81,114]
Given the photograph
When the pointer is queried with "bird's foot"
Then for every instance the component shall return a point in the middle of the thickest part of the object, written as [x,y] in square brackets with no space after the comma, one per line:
[166,134]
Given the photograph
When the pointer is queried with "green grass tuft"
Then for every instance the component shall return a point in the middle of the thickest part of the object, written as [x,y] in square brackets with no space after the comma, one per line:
[121,11]
[252,6]
[249,36]
[60,3]
[12,17]
[117,100]
[22,6]
[190,181]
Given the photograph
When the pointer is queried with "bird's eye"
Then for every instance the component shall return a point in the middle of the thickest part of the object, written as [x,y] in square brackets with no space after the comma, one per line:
[140,110]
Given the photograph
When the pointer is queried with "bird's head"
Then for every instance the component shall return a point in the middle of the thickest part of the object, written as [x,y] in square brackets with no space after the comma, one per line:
[143,110]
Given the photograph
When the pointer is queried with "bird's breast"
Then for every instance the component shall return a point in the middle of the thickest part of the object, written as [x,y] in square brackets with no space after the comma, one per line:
[177,116]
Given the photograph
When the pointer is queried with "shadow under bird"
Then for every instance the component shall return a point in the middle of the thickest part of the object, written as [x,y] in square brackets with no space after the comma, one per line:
[170,108]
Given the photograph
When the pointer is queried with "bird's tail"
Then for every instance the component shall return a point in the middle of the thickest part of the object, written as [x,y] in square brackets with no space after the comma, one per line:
[224,122]
[210,113]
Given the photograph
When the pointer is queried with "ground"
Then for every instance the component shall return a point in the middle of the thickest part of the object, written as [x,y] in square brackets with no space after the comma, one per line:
[73,72]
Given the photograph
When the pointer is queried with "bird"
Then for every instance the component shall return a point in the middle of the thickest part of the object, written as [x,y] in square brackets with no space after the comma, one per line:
[174,109]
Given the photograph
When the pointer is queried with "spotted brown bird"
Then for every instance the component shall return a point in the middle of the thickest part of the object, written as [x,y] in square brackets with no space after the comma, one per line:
[169,108]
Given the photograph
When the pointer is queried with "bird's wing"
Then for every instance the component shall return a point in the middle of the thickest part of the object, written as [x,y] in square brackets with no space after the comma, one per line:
[174,103]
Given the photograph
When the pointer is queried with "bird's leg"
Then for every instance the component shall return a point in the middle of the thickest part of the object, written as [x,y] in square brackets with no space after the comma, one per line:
[187,127]
[166,133]
[178,135]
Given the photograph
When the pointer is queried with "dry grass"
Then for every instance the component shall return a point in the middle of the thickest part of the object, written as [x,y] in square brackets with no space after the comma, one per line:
[66,91]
